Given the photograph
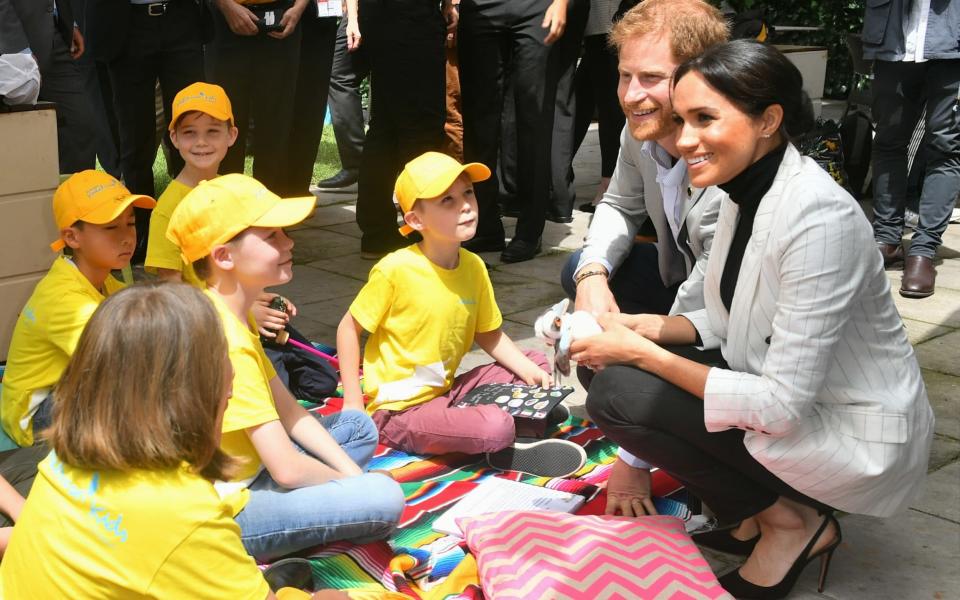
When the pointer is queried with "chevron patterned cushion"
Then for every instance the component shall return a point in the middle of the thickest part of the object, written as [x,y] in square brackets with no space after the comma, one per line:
[540,555]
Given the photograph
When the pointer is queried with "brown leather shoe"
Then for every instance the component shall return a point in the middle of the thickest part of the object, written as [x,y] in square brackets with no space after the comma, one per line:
[891,253]
[918,277]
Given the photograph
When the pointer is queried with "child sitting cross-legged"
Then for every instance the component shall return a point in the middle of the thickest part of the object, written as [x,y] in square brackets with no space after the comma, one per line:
[305,474]
[124,505]
[94,214]
[424,306]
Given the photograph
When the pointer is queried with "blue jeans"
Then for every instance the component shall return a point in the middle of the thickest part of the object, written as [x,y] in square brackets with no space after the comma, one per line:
[277,521]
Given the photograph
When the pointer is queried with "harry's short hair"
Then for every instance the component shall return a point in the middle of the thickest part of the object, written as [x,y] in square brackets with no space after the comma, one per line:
[691,26]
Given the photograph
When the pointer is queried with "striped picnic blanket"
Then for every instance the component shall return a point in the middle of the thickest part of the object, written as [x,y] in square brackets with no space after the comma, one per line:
[426,565]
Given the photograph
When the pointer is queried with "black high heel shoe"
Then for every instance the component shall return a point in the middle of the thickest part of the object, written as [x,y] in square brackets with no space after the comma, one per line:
[722,540]
[741,588]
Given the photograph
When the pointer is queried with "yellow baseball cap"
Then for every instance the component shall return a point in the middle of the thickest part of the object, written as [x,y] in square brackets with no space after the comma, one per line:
[217,210]
[207,98]
[428,176]
[93,197]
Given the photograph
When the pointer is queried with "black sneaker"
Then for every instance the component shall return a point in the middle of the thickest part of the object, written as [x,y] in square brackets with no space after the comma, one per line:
[290,572]
[558,416]
[544,458]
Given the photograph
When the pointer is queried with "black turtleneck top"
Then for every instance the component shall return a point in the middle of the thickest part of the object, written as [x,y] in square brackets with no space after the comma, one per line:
[746,190]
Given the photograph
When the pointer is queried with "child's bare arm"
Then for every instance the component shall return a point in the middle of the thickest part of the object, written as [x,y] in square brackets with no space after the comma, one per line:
[348,352]
[501,348]
[11,502]
[288,467]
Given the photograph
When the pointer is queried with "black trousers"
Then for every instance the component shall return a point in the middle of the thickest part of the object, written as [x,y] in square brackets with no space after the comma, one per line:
[346,108]
[596,85]
[63,83]
[167,48]
[310,102]
[404,41]
[259,74]
[19,468]
[663,425]
[495,35]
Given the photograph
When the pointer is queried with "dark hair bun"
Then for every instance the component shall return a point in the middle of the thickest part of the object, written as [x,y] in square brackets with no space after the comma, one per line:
[753,76]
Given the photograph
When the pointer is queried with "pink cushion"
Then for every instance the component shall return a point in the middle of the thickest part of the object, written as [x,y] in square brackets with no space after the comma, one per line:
[555,555]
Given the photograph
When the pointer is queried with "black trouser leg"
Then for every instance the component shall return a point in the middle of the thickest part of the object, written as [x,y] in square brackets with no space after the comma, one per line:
[19,468]
[63,84]
[310,102]
[404,41]
[663,425]
[346,110]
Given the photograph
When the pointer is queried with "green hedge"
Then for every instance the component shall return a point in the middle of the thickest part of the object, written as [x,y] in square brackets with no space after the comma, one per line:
[835,17]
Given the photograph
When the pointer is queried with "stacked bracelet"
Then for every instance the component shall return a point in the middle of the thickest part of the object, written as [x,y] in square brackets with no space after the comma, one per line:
[581,276]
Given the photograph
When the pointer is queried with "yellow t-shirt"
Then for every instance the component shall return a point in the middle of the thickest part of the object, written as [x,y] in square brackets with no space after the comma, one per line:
[44,338]
[422,320]
[134,534]
[161,252]
[252,401]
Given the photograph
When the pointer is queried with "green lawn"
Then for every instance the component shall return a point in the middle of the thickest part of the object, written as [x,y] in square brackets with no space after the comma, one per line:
[326,164]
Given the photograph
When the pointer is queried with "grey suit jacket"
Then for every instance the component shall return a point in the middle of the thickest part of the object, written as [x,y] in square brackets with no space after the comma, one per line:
[634,193]
[29,23]
[822,376]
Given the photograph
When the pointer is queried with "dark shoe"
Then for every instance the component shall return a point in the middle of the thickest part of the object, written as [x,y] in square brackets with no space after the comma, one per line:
[520,250]
[918,277]
[376,247]
[558,416]
[290,572]
[587,207]
[482,243]
[741,588]
[545,458]
[722,540]
[891,253]
[340,180]
[562,219]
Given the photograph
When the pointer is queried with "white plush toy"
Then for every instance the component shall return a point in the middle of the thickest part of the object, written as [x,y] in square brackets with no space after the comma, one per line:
[563,329]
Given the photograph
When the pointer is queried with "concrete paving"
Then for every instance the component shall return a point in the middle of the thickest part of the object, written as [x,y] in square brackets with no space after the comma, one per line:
[913,555]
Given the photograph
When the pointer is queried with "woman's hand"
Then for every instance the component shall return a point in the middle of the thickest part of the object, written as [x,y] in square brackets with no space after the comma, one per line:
[628,491]
[616,345]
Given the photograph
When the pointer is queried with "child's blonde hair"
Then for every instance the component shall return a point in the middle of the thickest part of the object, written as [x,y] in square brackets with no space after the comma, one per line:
[144,387]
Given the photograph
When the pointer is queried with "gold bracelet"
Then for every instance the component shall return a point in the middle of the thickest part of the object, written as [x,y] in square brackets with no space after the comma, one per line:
[581,276]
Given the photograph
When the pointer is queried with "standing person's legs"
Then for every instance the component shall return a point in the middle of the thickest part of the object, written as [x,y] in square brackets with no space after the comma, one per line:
[482,63]
[536,85]
[636,284]
[404,41]
[63,84]
[941,152]
[453,124]
[180,53]
[310,102]
[346,110]
[274,77]
[897,104]
[437,427]
[565,53]
[229,61]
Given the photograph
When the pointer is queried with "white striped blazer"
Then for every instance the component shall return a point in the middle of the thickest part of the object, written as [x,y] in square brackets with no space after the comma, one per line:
[822,376]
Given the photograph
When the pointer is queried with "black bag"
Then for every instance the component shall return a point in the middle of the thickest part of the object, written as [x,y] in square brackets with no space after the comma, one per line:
[306,375]
[823,144]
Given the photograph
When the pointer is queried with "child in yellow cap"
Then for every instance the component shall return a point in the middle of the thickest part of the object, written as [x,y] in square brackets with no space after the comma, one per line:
[305,474]
[94,213]
[424,306]
[202,130]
